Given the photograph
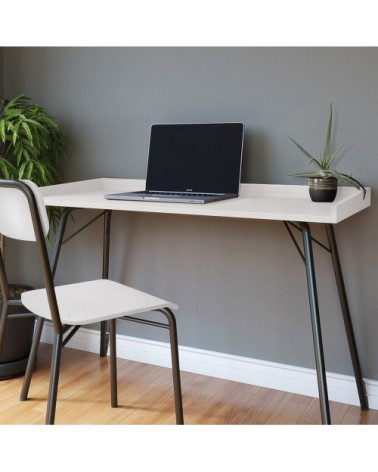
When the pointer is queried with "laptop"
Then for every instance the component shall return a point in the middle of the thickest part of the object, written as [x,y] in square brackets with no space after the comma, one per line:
[191,163]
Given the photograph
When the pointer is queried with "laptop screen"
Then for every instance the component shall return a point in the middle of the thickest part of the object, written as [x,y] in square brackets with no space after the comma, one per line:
[202,158]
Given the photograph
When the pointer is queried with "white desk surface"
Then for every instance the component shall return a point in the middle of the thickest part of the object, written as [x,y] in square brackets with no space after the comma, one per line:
[256,201]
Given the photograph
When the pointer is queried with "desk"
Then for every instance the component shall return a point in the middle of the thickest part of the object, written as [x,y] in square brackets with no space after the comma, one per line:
[289,204]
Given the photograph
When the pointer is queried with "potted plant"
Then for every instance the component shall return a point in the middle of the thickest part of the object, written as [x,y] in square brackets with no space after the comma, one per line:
[324,179]
[31,146]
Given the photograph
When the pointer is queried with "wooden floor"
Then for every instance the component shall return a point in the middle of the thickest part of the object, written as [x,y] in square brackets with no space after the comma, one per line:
[145,397]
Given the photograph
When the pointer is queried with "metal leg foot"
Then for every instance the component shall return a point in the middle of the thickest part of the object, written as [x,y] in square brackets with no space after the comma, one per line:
[54,379]
[113,364]
[175,365]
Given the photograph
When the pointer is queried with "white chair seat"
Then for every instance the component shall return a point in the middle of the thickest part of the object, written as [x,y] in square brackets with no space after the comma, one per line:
[90,302]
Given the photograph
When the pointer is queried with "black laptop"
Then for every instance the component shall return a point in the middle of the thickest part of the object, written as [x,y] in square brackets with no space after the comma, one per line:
[191,163]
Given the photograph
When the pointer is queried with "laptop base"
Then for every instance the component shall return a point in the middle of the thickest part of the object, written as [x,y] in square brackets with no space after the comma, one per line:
[167,197]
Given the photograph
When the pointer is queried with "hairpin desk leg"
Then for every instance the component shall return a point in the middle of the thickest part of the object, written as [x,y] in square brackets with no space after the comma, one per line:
[315,321]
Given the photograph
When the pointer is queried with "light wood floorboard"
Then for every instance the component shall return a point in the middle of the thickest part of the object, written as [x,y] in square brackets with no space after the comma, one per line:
[146,397]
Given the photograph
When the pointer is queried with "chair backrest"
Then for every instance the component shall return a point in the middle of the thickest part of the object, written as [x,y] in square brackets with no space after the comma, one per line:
[15,213]
[23,216]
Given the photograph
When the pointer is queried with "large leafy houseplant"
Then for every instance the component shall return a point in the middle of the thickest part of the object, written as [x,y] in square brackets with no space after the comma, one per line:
[31,145]
[324,171]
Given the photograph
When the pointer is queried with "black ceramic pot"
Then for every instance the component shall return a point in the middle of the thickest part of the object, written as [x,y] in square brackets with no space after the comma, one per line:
[17,342]
[323,190]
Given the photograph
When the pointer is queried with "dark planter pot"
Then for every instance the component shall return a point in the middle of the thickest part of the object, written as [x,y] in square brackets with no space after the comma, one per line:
[322,190]
[17,343]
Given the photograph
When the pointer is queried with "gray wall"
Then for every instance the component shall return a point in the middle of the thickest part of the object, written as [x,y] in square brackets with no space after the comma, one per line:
[1,72]
[240,284]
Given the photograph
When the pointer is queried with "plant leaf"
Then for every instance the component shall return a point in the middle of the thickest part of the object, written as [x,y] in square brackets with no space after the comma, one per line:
[28,133]
[348,179]
[42,171]
[2,130]
[12,113]
[4,169]
[9,170]
[19,99]
[21,170]
[15,133]
[30,167]
[26,154]
[334,155]
[308,175]
[306,153]
[327,145]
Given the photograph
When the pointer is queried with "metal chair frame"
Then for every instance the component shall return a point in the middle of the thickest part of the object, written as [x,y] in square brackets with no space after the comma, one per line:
[64,332]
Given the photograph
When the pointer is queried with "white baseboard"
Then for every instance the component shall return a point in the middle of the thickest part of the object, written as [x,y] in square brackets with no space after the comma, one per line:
[287,378]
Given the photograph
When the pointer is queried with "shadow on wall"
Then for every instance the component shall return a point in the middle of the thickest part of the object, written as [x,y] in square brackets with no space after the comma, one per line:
[257,161]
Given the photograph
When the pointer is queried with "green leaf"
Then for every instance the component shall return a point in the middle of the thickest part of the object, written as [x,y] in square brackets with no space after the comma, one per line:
[42,171]
[19,156]
[2,130]
[26,128]
[327,144]
[8,169]
[306,153]
[348,179]
[12,113]
[21,171]
[29,170]
[14,137]
[4,169]
[334,155]
[35,123]
[18,100]
[51,122]
[26,154]
[308,175]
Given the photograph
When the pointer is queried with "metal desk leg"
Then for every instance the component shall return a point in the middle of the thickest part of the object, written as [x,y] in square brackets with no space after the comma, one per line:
[105,259]
[315,320]
[347,317]
[59,239]
[104,340]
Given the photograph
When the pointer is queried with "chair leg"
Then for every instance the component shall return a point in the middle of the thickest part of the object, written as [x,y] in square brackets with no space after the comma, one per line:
[3,324]
[113,364]
[54,378]
[175,364]
[32,360]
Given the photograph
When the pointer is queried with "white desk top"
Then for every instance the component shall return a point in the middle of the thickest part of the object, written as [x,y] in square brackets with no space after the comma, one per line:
[256,201]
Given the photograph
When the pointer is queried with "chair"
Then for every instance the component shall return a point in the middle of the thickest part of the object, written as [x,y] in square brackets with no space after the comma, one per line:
[23,216]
